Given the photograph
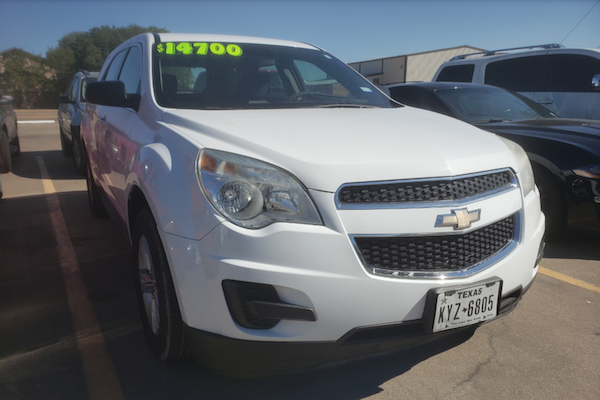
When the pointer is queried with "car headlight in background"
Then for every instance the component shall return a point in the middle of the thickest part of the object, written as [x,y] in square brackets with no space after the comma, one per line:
[525,170]
[252,193]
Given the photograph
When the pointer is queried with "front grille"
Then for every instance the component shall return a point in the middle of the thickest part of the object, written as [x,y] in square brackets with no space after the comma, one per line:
[435,254]
[425,191]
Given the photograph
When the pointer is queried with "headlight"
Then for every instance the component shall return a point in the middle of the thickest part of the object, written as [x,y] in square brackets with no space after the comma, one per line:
[588,172]
[525,171]
[252,193]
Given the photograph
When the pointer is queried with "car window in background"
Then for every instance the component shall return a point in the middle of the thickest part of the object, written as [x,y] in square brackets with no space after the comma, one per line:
[457,73]
[71,89]
[571,73]
[491,105]
[416,97]
[516,74]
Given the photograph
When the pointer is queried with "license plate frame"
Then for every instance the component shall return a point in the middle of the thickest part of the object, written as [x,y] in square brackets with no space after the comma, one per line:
[454,307]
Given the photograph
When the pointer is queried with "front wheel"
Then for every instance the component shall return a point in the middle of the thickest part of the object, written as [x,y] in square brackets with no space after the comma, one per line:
[79,156]
[5,160]
[15,147]
[65,145]
[157,301]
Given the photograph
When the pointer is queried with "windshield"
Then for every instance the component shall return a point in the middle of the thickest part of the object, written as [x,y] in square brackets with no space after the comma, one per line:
[491,104]
[230,76]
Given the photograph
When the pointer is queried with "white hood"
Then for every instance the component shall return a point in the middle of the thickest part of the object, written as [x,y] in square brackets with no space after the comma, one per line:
[327,147]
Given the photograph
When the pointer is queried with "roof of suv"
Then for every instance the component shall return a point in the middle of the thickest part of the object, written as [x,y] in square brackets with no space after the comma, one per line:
[519,51]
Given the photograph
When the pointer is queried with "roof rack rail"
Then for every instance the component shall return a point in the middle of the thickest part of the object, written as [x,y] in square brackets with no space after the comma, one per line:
[494,52]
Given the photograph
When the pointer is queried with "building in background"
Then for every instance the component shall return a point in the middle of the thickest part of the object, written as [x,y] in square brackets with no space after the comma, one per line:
[418,67]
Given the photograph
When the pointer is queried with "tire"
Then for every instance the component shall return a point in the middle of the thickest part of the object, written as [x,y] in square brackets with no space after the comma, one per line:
[79,155]
[65,145]
[95,202]
[554,204]
[16,146]
[5,160]
[159,310]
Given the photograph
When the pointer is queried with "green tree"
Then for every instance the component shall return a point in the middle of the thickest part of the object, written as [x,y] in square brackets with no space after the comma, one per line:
[26,77]
[88,50]
[35,82]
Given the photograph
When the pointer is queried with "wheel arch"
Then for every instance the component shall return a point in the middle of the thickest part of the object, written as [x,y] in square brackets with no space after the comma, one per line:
[163,179]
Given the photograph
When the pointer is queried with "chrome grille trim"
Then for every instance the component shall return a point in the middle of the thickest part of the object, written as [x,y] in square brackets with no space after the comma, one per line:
[417,185]
[446,274]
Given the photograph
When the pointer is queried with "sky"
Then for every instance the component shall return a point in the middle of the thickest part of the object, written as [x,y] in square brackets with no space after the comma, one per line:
[353,30]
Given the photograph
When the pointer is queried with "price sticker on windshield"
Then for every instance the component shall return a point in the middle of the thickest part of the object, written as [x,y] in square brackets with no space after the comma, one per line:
[196,48]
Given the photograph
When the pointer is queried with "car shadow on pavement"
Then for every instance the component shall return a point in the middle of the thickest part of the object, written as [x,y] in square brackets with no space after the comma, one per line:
[58,166]
[186,380]
[573,244]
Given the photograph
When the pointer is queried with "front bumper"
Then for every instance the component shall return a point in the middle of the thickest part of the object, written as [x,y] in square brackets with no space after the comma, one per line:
[257,358]
[317,268]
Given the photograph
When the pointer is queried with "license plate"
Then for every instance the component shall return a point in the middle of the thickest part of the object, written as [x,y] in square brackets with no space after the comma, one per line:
[460,306]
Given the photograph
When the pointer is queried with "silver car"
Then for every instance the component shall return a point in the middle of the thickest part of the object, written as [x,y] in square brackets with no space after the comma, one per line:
[71,106]
[564,80]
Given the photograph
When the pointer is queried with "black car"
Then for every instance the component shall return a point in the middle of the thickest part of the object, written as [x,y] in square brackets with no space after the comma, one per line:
[565,153]
[71,106]
[9,138]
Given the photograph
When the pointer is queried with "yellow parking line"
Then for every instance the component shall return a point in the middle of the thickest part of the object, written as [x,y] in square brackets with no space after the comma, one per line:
[100,376]
[568,279]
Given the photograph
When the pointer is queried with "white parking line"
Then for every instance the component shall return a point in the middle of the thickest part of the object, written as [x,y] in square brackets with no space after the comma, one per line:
[100,376]
[44,121]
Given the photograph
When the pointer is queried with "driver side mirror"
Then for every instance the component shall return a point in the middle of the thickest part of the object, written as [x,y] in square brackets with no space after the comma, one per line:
[111,93]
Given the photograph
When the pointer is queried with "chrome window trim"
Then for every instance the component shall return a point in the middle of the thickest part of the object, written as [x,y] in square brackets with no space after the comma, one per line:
[514,184]
[467,272]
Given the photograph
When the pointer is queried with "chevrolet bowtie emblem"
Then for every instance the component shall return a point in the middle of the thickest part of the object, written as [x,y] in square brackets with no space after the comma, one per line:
[459,219]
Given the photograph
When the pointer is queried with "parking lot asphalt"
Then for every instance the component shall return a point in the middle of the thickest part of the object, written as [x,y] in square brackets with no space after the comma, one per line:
[69,326]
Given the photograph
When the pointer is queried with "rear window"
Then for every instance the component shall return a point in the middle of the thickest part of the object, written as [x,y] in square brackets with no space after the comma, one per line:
[457,73]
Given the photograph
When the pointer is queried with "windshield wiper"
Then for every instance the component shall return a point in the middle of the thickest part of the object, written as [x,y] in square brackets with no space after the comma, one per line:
[492,121]
[343,105]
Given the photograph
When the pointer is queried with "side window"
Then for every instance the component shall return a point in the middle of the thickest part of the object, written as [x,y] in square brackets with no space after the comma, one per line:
[571,73]
[521,74]
[457,73]
[115,67]
[131,71]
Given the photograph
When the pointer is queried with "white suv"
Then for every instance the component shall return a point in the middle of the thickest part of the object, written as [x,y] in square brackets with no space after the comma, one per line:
[564,80]
[285,213]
